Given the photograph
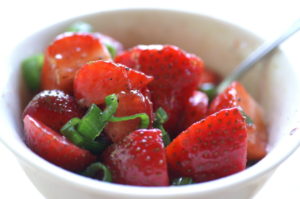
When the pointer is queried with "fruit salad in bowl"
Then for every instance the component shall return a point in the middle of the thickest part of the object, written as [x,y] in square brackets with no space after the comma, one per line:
[118,116]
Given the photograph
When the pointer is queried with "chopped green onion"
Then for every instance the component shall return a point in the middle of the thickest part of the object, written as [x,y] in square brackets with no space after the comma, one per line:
[94,168]
[31,69]
[209,89]
[248,119]
[112,50]
[111,102]
[80,26]
[182,181]
[143,116]
[70,132]
[93,123]
[160,118]
[89,126]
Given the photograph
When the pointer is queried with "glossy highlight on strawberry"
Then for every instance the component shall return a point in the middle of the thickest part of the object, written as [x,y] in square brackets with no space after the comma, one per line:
[54,108]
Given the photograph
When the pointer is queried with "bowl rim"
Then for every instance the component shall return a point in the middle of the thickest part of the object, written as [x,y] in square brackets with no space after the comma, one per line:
[261,168]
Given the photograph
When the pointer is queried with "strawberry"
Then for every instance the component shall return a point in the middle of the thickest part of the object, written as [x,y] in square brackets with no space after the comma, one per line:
[130,103]
[66,55]
[54,147]
[195,110]
[95,80]
[176,76]
[53,108]
[210,149]
[209,76]
[139,159]
[236,96]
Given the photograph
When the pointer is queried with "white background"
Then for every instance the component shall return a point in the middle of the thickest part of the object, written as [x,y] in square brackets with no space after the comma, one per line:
[19,19]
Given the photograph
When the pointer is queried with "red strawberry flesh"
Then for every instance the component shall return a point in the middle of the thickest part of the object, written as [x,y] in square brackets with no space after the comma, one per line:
[54,147]
[96,80]
[66,55]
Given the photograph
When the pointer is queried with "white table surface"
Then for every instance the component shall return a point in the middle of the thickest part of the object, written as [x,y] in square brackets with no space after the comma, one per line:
[265,18]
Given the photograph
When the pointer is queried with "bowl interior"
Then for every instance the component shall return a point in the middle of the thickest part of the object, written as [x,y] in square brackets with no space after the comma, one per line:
[221,45]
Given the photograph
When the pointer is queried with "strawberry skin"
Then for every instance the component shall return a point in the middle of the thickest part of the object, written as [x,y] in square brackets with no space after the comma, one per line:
[236,96]
[130,103]
[139,159]
[54,147]
[54,108]
[95,80]
[195,110]
[210,149]
[176,76]
[66,55]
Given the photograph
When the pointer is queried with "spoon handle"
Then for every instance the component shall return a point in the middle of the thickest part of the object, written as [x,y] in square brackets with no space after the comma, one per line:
[256,56]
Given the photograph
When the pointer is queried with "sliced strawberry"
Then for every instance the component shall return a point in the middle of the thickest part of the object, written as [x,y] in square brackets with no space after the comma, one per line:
[176,76]
[195,110]
[130,103]
[210,149]
[54,147]
[53,108]
[209,76]
[236,96]
[66,55]
[139,159]
[95,80]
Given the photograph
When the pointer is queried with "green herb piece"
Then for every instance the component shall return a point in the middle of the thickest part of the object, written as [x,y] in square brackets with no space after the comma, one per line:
[93,123]
[209,89]
[89,126]
[70,132]
[248,119]
[182,181]
[94,168]
[160,118]
[112,50]
[80,26]
[143,116]
[31,69]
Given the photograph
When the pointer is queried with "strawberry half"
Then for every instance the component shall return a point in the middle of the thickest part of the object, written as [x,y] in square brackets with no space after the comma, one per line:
[66,55]
[95,80]
[139,159]
[130,103]
[54,147]
[236,96]
[210,149]
[54,108]
[176,76]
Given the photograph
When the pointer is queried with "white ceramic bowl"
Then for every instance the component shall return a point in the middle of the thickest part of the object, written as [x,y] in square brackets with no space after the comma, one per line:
[220,44]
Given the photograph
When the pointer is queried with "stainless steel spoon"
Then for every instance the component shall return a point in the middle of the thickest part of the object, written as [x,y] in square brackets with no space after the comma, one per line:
[256,56]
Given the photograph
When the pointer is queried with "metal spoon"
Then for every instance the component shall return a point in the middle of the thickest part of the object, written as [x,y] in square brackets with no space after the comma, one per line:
[256,56]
